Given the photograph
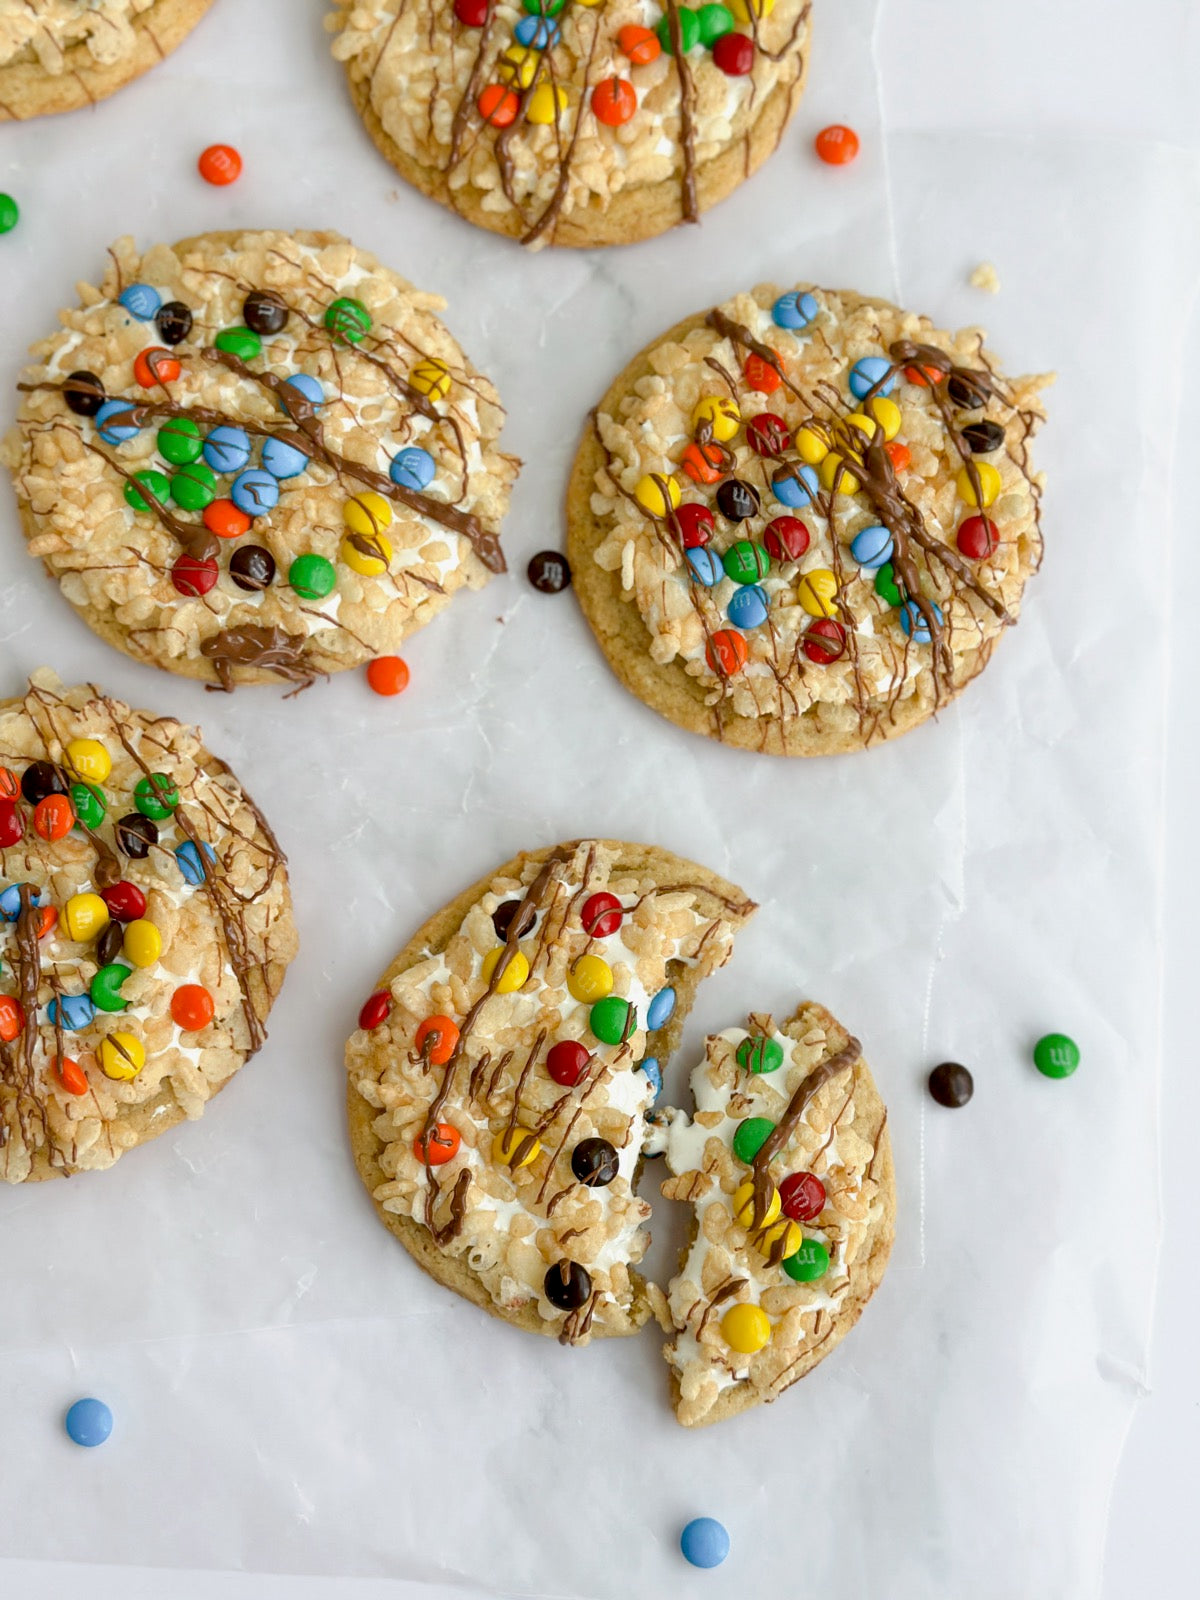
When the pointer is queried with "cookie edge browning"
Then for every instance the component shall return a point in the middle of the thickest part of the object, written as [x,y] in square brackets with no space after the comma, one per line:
[865,1276]
[164,1112]
[26,91]
[431,938]
[671,690]
[634,215]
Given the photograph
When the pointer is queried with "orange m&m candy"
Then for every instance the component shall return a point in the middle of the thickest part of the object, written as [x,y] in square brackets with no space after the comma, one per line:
[155,365]
[220,164]
[639,44]
[498,105]
[224,519]
[10,788]
[925,377]
[12,1017]
[726,652]
[49,919]
[899,454]
[388,675]
[70,1075]
[837,144]
[192,1007]
[436,1039]
[761,375]
[614,100]
[443,1145]
[53,817]
[703,463]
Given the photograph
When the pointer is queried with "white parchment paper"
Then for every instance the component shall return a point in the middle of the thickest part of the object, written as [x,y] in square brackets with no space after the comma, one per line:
[292,1396]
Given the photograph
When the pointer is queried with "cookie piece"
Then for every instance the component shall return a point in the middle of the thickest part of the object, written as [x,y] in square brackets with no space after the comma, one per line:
[147,928]
[788,1164]
[567,122]
[499,1079]
[258,457]
[775,525]
[57,55]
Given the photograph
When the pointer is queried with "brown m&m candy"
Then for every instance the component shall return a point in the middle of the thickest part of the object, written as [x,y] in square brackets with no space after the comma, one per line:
[265,312]
[970,390]
[252,567]
[174,322]
[136,835]
[981,438]
[548,572]
[594,1162]
[505,912]
[567,1285]
[737,500]
[951,1084]
[84,393]
[39,779]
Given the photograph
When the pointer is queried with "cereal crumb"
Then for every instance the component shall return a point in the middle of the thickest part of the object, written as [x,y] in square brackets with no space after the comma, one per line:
[986,278]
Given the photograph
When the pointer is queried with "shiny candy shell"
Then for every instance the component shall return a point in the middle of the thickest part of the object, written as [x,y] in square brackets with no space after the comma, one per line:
[746,562]
[639,44]
[810,1262]
[413,468]
[567,1061]
[516,970]
[192,1007]
[722,415]
[783,1234]
[715,21]
[785,538]
[252,568]
[767,434]
[614,101]
[388,675]
[743,1202]
[348,319]
[988,483]
[375,1010]
[649,493]
[746,1329]
[156,796]
[689,31]
[41,778]
[749,1137]
[180,441]
[498,106]
[193,575]
[443,1145]
[704,1542]
[913,622]
[977,537]
[706,566]
[653,1073]
[307,386]
[747,11]
[89,760]
[255,492]
[886,413]
[88,1422]
[10,901]
[661,1009]
[109,425]
[760,1053]
[696,524]
[367,513]
[802,1195]
[813,441]
[431,377]
[868,372]
[224,519]
[567,1285]
[836,145]
[140,300]
[835,474]
[795,309]
[227,449]
[312,577]
[885,585]
[76,1011]
[243,343]
[872,546]
[142,943]
[539,33]
[85,916]
[155,366]
[612,1020]
[367,554]
[761,374]
[703,463]
[283,460]
[815,592]
[191,863]
[436,1039]
[1056,1055]
[151,484]
[124,901]
[194,486]
[53,817]
[516,1148]
[795,486]
[726,652]
[105,987]
[594,1163]
[748,607]
[122,1056]
[733,53]
[601,915]
[471,13]
[12,1017]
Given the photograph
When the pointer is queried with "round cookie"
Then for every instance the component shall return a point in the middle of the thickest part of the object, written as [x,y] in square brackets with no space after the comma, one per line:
[824,576]
[258,457]
[582,126]
[58,55]
[788,1166]
[520,1054]
[147,926]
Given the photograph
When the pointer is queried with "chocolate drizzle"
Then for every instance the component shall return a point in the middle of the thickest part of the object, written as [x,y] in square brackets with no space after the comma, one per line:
[781,1136]
[687,94]
[253,645]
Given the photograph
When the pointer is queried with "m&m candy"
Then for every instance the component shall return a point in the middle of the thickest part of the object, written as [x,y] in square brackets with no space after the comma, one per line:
[746,1329]
[639,44]
[836,145]
[594,1163]
[590,979]
[192,863]
[442,1144]
[748,607]
[192,1007]
[744,1203]
[696,524]
[815,592]
[194,575]
[471,13]
[704,1541]
[105,988]
[516,970]
[661,1009]
[795,486]
[872,546]
[436,1039]
[810,1262]
[142,943]
[649,1065]
[243,343]
[53,817]
[750,1136]
[412,468]
[734,54]
[614,101]
[786,538]
[375,1010]
[689,31]
[140,300]
[914,623]
[366,553]
[12,824]
[387,675]
[74,1011]
[977,537]
[655,491]
[156,796]
[705,566]
[567,1285]
[11,900]
[1056,1055]
[601,915]
[174,322]
[981,438]
[348,319]
[612,1019]
[70,1075]
[721,415]
[180,441]
[84,393]
[549,572]
[255,492]
[224,519]
[122,1056]
[726,652]
[516,1147]
[306,387]
[109,424]
[760,1053]
[89,1423]
[950,1084]
[252,567]
[767,434]
[539,33]
[193,486]
[431,377]
[154,487]
[227,449]
[10,213]
[871,373]
[283,460]
[498,106]
[795,309]
[802,1196]
[124,901]
[85,916]
[312,577]
[219,165]
[737,500]
[155,366]
[978,484]
[746,562]
[12,1018]
[567,1061]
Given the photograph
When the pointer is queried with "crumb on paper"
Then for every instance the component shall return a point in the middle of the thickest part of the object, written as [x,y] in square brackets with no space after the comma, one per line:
[985,277]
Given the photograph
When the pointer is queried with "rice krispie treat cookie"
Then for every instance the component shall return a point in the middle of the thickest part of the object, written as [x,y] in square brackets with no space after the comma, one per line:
[800,522]
[788,1164]
[147,926]
[570,122]
[258,457]
[56,55]
[501,1073]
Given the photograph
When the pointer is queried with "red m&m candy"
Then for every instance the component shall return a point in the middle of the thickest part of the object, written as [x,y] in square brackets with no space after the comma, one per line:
[767,434]
[566,1062]
[375,1010]
[602,915]
[220,164]
[125,901]
[12,1017]
[436,1039]
[156,365]
[695,523]
[825,641]
[726,652]
[978,537]
[471,13]
[12,825]
[614,100]
[802,1196]
[194,575]
[192,1007]
[224,519]
[786,538]
[53,817]
[443,1144]
[734,54]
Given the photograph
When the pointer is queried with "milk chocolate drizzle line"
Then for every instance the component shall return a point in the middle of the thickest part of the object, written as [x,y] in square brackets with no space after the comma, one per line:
[784,1129]
[687,91]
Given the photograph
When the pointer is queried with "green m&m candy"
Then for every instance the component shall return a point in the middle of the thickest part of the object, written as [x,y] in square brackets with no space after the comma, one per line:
[193,487]
[810,1261]
[156,796]
[885,585]
[9,213]
[689,31]
[312,577]
[750,1137]
[760,1054]
[612,1019]
[241,342]
[179,441]
[1056,1056]
[746,562]
[157,485]
[348,319]
[89,804]
[543,8]
[714,23]
[105,987]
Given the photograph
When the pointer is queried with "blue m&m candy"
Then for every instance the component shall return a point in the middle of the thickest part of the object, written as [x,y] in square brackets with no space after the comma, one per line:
[748,607]
[794,310]
[412,467]
[706,567]
[661,1009]
[871,547]
[914,624]
[88,1423]
[865,374]
[111,431]
[10,901]
[227,449]
[255,492]
[283,460]
[795,485]
[537,33]
[704,1542]
[77,1010]
[191,863]
[141,301]
[653,1071]
[308,386]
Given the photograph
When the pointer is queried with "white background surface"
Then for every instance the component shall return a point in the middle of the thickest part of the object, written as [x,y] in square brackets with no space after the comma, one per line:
[229,1292]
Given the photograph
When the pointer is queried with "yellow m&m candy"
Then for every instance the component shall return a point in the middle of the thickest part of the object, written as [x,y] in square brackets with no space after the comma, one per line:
[767,1239]
[122,1056]
[886,413]
[722,415]
[746,1329]
[746,10]
[835,474]
[743,1205]
[367,513]
[514,974]
[142,943]
[517,66]
[812,442]
[650,495]
[989,483]
[431,378]
[590,979]
[815,592]
[84,916]
[860,424]
[89,760]
[546,103]
[516,1149]
[369,561]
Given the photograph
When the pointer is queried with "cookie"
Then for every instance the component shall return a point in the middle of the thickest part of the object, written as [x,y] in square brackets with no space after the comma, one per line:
[501,1074]
[57,55]
[788,1166]
[800,523]
[147,927]
[571,123]
[258,457]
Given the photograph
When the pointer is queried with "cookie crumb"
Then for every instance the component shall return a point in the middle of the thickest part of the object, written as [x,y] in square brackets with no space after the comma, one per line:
[985,277]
